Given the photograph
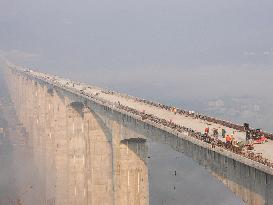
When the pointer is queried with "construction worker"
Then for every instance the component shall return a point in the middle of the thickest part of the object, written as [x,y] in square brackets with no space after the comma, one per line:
[228,141]
[248,135]
[215,133]
[174,110]
[233,142]
[207,130]
[248,132]
[223,133]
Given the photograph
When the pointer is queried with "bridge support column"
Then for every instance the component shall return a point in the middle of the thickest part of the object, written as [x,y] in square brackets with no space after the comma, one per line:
[99,178]
[75,128]
[36,133]
[42,139]
[28,110]
[50,170]
[130,169]
[60,146]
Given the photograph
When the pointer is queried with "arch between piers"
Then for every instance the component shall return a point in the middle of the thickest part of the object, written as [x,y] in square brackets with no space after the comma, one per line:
[114,169]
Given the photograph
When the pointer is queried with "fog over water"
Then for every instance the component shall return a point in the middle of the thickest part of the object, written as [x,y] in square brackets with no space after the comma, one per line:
[215,57]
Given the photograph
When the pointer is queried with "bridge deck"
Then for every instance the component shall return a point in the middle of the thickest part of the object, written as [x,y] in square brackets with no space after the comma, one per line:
[197,125]
[183,120]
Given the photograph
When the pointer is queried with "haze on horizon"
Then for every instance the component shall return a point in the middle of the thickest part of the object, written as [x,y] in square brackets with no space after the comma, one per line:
[215,57]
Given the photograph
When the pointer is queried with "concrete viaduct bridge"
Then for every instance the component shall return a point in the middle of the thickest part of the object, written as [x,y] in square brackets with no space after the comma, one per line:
[90,148]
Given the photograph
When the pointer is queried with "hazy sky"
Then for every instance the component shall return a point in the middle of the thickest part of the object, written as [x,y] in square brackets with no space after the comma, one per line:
[212,55]
[174,51]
